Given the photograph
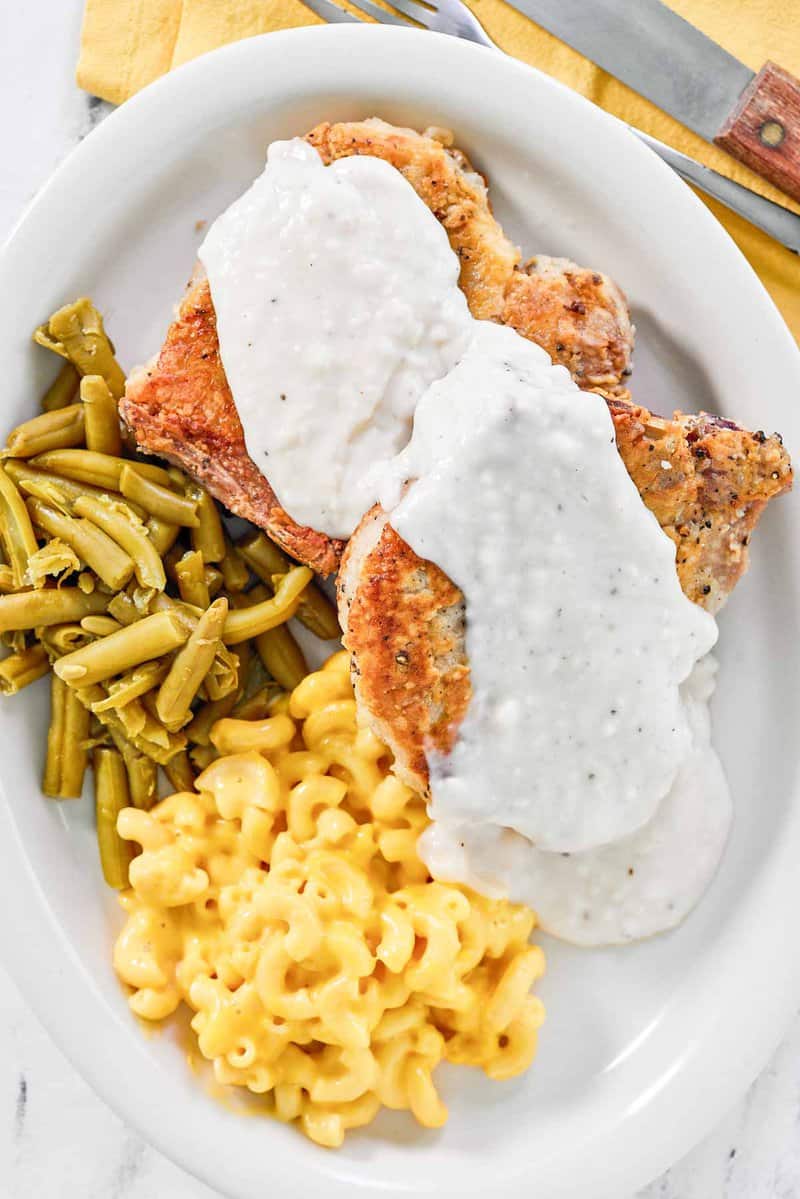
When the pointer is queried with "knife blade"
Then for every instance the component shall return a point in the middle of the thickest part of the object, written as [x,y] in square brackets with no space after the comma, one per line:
[647,46]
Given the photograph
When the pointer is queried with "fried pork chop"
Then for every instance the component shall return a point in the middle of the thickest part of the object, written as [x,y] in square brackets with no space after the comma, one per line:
[180,406]
[404,620]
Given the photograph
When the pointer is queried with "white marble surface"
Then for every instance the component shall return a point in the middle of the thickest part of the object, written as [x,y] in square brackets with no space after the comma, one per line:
[56,1137]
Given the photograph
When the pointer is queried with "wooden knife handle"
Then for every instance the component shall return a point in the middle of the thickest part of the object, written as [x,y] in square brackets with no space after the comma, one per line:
[763,131]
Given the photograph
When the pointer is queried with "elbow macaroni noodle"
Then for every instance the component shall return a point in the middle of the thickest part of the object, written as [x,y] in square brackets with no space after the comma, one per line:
[286,905]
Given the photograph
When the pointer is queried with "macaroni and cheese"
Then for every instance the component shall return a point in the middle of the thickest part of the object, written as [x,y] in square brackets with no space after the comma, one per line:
[285,903]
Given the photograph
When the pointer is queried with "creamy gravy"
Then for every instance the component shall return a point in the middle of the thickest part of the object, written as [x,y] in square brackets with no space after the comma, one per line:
[336,297]
[585,751]
[578,633]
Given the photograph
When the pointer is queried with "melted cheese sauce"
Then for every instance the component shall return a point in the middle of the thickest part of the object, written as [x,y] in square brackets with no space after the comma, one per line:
[337,304]
[582,781]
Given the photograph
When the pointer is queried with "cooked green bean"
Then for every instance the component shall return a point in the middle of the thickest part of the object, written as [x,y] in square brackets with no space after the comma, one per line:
[282,656]
[51,488]
[208,536]
[190,667]
[111,795]
[142,773]
[179,772]
[87,582]
[257,705]
[162,535]
[249,622]
[213,580]
[200,727]
[16,529]
[102,416]
[30,609]
[149,638]
[100,552]
[123,609]
[100,626]
[191,579]
[19,670]
[202,756]
[97,470]
[132,686]
[157,500]
[58,430]
[315,610]
[54,558]
[223,674]
[76,332]
[63,390]
[134,724]
[67,756]
[61,639]
[124,527]
[235,571]
[7,581]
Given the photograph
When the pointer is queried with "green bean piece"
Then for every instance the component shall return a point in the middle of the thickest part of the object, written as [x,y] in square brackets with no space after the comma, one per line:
[123,609]
[213,580]
[16,529]
[315,610]
[100,626]
[282,656]
[56,489]
[223,674]
[100,552]
[123,526]
[7,581]
[87,582]
[157,500]
[77,333]
[142,773]
[133,685]
[257,705]
[67,756]
[102,416]
[145,734]
[22,669]
[235,571]
[32,609]
[180,773]
[202,756]
[200,727]
[191,579]
[55,558]
[245,623]
[208,538]
[59,430]
[97,470]
[61,639]
[162,534]
[190,667]
[111,795]
[149,638]
[63,390]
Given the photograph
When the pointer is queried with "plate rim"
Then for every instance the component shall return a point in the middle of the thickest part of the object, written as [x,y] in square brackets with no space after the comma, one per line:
[53,985]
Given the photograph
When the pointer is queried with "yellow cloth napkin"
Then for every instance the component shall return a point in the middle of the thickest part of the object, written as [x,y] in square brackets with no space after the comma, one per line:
[125,44]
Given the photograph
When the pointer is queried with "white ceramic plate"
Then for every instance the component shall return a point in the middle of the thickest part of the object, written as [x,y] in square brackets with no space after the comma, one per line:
[644,1047]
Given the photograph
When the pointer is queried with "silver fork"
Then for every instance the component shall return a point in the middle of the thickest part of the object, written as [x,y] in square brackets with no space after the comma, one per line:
[454,18]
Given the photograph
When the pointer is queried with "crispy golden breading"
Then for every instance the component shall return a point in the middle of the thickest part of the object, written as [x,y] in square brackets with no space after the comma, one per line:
[180,406]
[404,620]
[579,316]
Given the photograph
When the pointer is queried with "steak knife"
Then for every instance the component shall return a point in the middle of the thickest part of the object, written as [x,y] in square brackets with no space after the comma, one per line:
[643,43]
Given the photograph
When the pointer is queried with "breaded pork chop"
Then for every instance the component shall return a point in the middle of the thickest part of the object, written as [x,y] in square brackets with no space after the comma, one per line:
[180,406]
[404,620]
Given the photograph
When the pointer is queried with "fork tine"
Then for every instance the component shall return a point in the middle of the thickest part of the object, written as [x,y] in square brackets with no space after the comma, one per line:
[417,12]
[380,14]
[330,12]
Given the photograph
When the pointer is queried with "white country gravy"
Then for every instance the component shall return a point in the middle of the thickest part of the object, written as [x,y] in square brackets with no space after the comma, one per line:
[336,298]
[340,323]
